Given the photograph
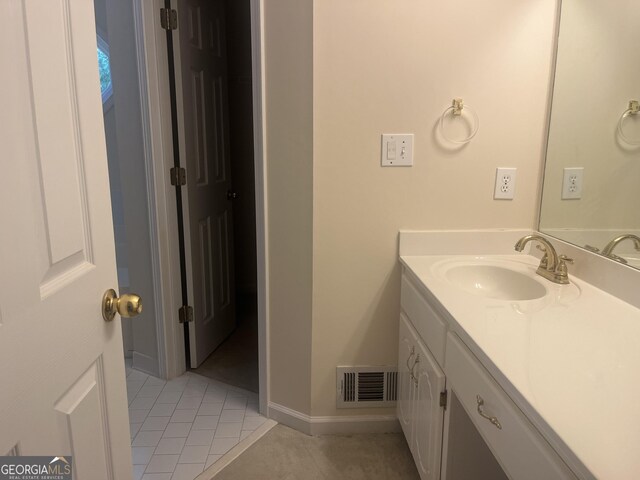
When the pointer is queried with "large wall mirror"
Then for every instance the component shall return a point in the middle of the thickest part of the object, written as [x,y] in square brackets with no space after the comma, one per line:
[591,191]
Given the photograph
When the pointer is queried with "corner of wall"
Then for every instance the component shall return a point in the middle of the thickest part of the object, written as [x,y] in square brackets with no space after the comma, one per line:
[289,159]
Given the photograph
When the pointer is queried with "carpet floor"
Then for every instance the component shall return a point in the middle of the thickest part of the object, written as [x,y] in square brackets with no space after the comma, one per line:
[285,454]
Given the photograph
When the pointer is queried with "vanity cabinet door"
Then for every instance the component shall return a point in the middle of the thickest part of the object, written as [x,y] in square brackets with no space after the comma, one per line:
[429,415]
[420,382]
[406,386]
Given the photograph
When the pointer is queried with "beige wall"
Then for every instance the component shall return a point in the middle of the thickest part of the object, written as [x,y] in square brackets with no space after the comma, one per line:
[289,116]
[597,74]
[385,66]
[339,74]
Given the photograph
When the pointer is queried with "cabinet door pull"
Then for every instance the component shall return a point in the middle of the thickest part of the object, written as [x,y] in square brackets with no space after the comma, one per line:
[413,352]
[493,420]
[414,366]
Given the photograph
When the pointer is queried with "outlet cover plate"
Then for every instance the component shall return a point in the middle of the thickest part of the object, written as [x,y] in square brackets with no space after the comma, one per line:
[397,150]
[505,186]
[572,179]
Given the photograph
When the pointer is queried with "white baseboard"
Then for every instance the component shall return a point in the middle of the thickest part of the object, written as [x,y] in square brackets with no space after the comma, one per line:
[331,425]
[145,363]
[290,418]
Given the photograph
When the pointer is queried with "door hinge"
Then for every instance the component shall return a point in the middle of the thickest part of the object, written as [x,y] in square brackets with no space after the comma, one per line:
[178,176]
[185,314]
[443,399]
[168,18]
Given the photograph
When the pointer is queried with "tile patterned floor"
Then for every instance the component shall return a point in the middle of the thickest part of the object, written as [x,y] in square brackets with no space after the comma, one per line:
[182,426]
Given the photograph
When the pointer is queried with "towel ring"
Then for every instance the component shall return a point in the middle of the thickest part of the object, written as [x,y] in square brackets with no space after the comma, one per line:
[456,109]
[634,109]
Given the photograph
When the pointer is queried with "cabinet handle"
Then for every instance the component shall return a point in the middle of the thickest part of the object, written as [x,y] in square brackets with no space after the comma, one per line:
[493,420]
[413,352]
[415,380]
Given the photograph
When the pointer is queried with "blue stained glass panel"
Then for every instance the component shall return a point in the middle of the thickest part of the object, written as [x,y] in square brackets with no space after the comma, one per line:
[104,67]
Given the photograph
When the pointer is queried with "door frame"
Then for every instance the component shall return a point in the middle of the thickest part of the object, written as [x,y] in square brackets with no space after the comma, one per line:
[155,93]
[260,167]
[153,83]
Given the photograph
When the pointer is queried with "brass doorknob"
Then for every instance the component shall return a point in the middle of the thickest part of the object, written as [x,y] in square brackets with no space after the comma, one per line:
[127,305]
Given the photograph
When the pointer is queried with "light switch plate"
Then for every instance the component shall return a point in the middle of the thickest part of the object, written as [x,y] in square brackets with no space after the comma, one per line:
[397,150]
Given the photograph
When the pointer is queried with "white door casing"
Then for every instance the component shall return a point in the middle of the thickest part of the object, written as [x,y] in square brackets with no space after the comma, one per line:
[208,211]
[61,365]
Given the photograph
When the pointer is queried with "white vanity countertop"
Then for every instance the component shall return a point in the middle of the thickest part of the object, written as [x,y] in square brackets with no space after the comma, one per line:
[571,362]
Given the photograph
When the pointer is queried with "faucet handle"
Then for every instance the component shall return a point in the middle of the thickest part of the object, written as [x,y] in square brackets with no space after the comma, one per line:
[562,265]
[565,259]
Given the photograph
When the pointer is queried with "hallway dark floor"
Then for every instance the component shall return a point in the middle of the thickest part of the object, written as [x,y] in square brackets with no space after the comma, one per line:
[235,361]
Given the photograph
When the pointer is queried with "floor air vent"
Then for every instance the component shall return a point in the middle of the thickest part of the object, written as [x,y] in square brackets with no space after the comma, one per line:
[360,387]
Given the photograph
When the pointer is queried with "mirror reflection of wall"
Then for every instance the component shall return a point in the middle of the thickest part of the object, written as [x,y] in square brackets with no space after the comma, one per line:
[597,74]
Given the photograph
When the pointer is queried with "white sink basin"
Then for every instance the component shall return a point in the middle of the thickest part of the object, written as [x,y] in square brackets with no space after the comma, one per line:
[496,282]
[501,278]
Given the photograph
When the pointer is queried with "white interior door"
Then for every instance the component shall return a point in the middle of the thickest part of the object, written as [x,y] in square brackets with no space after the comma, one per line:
[61,365]
[208,216]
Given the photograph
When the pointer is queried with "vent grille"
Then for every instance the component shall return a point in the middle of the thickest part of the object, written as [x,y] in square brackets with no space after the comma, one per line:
[392,387]
[369,386]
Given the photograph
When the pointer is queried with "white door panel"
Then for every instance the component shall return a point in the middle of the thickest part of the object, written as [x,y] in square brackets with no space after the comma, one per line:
[61,366]
[208,215]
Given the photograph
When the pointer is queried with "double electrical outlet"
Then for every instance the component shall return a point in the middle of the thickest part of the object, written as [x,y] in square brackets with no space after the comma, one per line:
[505,183]
[572,179]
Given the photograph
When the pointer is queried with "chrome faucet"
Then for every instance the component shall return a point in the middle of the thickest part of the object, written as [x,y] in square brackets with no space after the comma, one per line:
[553,267]
[607,251]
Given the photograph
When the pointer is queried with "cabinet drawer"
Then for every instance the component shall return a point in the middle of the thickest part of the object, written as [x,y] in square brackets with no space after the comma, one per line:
[431,329]
[519,448]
